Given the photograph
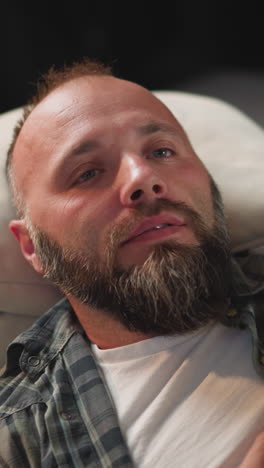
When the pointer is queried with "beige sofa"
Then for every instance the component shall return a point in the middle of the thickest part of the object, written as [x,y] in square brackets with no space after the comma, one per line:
[230,145]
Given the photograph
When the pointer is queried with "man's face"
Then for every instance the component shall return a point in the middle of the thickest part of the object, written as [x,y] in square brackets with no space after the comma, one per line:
[112,184]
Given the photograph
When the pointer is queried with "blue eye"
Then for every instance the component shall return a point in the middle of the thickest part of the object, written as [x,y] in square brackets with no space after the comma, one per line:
[162,153]
[87,175]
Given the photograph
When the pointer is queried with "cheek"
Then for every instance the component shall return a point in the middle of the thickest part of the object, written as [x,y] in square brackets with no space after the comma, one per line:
[192,185]
[83,221]
[203,204]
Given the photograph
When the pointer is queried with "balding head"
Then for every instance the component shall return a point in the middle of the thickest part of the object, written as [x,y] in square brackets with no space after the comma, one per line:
[69,106]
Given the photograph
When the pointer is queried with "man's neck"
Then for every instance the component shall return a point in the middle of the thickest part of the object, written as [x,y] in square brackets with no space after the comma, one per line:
[102,329]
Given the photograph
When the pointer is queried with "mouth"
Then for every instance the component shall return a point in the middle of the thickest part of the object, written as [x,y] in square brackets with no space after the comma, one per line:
[155,228]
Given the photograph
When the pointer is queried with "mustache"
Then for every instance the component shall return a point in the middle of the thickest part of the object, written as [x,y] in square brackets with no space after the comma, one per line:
[118,232]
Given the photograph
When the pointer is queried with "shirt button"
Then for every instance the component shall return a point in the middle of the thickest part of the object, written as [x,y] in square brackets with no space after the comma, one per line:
[33,361]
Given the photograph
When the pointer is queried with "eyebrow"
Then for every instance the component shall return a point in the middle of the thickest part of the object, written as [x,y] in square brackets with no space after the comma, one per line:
[155,127]
[85,147]
[81,148]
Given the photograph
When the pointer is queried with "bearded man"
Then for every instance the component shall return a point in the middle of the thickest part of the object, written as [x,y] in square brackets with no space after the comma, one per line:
[135,366]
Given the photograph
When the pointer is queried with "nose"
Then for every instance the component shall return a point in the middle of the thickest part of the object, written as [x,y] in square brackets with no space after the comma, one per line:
[140,181]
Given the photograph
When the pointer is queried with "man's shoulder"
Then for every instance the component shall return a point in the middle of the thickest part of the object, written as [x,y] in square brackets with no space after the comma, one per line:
[30,353]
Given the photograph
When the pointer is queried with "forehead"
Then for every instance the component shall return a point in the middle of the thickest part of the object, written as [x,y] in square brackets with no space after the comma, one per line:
[99,93]
[91,98]
[82,106]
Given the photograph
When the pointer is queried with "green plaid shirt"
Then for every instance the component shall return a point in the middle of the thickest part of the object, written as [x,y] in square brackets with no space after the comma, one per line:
[54,407]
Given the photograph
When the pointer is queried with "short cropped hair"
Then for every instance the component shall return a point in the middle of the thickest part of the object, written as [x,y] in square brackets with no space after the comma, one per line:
[54,78]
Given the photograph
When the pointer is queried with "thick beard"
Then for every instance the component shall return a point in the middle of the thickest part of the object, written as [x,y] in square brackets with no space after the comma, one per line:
[178,289]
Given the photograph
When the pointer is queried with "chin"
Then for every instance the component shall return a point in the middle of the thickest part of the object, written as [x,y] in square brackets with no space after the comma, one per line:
[136,256]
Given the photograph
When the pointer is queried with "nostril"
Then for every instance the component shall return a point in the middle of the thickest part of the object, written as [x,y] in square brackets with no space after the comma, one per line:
[135,195]
[156,188]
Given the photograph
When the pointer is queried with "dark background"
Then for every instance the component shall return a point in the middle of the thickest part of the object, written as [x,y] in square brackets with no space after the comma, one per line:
[210,48]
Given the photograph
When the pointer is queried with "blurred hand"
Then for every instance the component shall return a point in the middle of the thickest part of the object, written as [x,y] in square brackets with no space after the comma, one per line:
[255,456]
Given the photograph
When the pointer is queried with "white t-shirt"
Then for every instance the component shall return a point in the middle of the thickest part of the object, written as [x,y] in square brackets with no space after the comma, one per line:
[192,401]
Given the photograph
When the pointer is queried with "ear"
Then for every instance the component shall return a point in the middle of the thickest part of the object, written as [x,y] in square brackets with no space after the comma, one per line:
[20,231]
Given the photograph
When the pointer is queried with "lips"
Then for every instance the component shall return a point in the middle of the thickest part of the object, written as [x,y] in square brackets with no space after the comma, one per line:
[155,222]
